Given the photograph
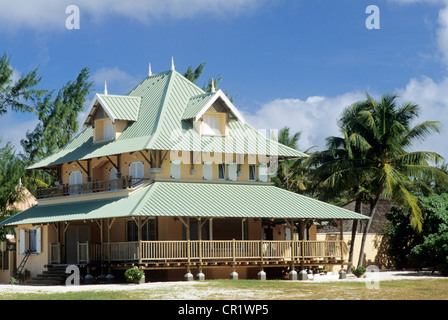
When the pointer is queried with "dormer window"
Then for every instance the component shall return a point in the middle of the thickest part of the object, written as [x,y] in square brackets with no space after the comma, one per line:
[109,115]
[108,130]
[211,124]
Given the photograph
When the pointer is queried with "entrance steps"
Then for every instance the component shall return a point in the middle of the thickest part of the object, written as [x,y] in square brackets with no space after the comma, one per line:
[53,276]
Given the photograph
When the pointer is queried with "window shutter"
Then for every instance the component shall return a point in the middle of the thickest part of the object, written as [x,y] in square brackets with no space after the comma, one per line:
[108,130]
[38,240]
[22,241]
[175,169]
[207,171]
[136,169]
[263,173]
[75,177]
[232,168]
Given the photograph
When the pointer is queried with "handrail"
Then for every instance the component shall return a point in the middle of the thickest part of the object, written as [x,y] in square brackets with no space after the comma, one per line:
[206,250]
[125,182]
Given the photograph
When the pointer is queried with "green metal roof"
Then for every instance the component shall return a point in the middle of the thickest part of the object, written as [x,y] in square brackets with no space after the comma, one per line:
[195,104]
[191,199]
[164,99]
[122,107]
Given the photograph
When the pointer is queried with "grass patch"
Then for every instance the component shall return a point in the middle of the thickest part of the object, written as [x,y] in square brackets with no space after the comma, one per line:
[419,289]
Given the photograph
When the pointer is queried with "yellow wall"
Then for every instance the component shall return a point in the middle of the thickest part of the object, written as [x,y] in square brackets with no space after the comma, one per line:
[100,167]
[36,262]
[374,252]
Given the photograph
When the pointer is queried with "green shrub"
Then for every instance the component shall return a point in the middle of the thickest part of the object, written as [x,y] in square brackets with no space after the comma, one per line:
[134,275]
[358,272]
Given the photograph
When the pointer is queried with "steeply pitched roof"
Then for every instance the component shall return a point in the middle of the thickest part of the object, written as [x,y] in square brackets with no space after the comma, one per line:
[192,199]
[164,98]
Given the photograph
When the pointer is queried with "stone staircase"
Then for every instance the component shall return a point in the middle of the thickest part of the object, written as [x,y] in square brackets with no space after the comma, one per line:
[54,275]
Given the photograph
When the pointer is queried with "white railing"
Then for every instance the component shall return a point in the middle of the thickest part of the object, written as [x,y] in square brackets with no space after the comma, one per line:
[206,250]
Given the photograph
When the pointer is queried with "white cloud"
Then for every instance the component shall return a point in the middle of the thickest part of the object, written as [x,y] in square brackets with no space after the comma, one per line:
[315,117]
[432,97]
[118,81]
[50,14]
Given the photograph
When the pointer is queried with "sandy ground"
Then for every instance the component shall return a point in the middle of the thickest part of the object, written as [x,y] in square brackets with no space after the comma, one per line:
[175,285]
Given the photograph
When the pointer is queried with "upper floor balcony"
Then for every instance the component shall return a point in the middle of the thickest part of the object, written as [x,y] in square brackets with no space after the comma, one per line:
[126,182]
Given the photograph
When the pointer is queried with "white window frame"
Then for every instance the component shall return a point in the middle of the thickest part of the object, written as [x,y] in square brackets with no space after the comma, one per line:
[207,171]
[136,170]
[175,169]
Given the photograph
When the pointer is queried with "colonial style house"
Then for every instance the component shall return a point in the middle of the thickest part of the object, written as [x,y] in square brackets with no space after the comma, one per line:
[173,180]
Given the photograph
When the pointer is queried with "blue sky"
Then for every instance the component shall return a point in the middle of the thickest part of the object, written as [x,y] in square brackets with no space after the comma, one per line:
[286,63]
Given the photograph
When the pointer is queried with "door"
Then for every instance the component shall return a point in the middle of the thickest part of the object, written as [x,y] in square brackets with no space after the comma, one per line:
[74,235]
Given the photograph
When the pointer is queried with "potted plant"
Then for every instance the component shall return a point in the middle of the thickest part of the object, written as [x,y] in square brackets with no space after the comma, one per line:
[359,272]
[135,275]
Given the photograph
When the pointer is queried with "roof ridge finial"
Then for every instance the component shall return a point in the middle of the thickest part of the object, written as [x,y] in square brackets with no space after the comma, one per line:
[213,85]
[149,71]
[105,88]
[172,64]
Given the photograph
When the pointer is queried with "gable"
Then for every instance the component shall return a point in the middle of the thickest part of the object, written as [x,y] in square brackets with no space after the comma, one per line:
[210,102]
[114,106]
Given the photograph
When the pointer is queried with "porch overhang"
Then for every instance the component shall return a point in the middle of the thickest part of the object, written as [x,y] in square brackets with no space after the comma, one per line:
[189,198]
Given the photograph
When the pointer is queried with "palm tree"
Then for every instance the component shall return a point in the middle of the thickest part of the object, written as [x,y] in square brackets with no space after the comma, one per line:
[339,172]
[283,174]
[390,168]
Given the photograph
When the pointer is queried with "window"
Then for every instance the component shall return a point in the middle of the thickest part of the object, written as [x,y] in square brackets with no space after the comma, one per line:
[31,243]
[263,173]
[136,171]
[211,124]
[232,171]
[113,176]
[175,169]
[75,180]
[222,171]
[252,170]
[108,130]
[207,171]
[148,230]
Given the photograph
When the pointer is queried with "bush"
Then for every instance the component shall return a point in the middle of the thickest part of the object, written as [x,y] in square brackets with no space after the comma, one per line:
[134,275]
[358,272]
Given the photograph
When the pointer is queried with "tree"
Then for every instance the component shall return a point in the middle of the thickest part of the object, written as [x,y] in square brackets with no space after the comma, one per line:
[14,94]
[11,172]
[193,76]
[339,172]
[389,168]
[55,114]
[428,248]
[58,123]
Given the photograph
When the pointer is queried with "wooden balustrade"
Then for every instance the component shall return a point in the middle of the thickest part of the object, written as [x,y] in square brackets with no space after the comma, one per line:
[207,250]
[88,187]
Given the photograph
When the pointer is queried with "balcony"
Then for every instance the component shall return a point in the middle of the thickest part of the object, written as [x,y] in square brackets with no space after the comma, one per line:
[89,187]
[164,253]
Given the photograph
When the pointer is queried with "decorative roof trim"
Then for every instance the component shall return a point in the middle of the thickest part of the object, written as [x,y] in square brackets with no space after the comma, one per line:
[229,104]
